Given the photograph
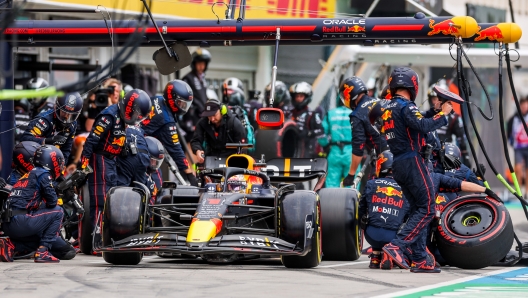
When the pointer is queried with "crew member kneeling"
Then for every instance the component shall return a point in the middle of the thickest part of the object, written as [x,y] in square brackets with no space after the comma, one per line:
[383,208]
[33,202]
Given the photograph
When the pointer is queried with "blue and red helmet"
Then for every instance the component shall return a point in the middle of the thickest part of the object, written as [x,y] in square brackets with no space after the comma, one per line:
[178,96]
[50,158]
[135,106]
[404,78]
[68,107]
[23,155]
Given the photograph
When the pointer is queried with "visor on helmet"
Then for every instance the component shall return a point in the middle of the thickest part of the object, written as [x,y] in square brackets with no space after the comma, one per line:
[155,164]
[67,117]
[183,105]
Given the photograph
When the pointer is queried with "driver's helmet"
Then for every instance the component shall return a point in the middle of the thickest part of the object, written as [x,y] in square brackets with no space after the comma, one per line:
[237,183]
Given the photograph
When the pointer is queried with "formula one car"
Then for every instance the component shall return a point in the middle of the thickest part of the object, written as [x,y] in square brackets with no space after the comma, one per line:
[244,210]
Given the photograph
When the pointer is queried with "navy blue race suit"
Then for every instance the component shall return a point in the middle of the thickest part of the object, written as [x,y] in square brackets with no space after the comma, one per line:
[199,89]
[133,167]
[22,120]
[44,126]
[310,125]
[405,129]
[34,203]
[215,138]
[103,144]
[161,124]
[363,133]
[13,177]
[386,207]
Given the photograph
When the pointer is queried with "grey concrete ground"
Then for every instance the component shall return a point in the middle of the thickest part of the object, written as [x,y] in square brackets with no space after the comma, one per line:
[88,276]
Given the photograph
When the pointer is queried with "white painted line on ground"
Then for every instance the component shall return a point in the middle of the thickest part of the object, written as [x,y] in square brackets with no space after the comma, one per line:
[345,264]
[446,283]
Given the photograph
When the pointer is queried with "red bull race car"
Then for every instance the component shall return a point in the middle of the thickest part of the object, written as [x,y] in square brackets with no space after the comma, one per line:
[244,209]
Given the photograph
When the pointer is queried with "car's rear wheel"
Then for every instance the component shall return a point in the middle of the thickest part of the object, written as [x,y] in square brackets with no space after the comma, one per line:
[300,211]
[474,232]
[283,143]
[339,207]
[122,218]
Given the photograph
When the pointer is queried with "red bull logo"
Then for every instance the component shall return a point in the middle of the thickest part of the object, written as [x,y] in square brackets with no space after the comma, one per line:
[446,27]
[389,191]
[119,141]
[386,115]
[492,33]
[26,165]
[440,200]
[356,29]
[388,201]
[128,109]
[56,167]
[335,29]
[346,94]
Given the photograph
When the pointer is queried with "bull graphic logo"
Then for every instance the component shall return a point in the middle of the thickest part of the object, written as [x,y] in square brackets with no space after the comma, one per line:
[346,94]
[119,141]
[493,33]
[389,191]
[440,200]
[356,29]
[386,115]
[446,27]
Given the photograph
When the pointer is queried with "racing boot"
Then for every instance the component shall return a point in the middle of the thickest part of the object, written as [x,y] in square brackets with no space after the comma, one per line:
[44,256]
[386,262]
[395,253]
[426,266]
[375,260]
[7,249]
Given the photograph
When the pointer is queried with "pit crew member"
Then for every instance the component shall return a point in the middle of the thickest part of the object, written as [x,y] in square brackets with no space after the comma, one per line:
[56,127]
[33,201]
[106,141]
[161,122]
[405,129]
[353,94]
[23,154]
[308,122]
[383,208]
[281,100]
[217,127]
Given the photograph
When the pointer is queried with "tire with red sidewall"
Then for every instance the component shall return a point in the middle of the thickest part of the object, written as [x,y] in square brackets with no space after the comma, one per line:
[474,232]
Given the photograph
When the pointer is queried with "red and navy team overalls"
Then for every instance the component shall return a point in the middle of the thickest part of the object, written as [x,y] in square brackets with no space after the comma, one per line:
[103,144]
[405,129]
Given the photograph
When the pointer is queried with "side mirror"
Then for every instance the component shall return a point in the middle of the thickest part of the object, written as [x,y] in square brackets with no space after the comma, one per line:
[270,118]
[167,65]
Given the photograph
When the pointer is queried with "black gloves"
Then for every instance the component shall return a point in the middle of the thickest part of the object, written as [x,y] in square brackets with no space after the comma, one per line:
[349,180]
[191,178]
[492,195]
[482,169]
[56,140]
[2,183]
[363,222]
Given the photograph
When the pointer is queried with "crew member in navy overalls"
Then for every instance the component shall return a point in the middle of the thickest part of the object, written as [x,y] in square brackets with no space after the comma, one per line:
[56,127]
[161,123]
[105,142]
[33,204]
[405,129]
[383,208]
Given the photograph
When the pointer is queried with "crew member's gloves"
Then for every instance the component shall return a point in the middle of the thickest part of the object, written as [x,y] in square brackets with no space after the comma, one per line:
[2,183]
[191,178]
[56,140]
[492,195]
[349,180]
[68,195]
[363,222]
[482,169]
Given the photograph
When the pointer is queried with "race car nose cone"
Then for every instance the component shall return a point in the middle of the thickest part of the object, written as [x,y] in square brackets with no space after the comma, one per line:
[200,232]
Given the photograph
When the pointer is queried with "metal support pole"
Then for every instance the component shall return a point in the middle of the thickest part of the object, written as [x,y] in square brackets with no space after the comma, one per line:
[274,69]
[7,117]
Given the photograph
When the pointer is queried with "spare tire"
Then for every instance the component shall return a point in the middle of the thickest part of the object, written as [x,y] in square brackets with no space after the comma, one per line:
[283,143]
[474,232]
[122,218]
[339,213]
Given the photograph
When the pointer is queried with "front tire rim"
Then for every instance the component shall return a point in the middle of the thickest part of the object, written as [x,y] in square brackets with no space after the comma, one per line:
[470,220]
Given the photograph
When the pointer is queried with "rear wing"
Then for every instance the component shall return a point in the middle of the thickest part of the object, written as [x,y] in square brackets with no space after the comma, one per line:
[295,169]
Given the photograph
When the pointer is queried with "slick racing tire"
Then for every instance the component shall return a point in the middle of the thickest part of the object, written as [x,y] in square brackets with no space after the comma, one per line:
[300,211]
[122,218]
[283,143]
[474,232]
[85,226]
[342,235]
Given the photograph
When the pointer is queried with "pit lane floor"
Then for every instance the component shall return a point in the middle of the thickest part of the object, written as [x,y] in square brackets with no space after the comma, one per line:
[89,276]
